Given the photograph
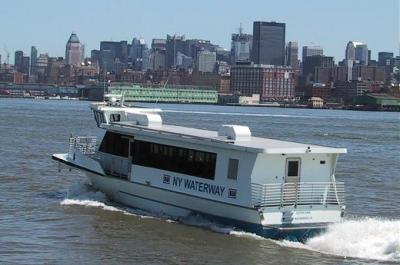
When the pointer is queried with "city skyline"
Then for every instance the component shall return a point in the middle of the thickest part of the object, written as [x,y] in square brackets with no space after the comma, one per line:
[380,33]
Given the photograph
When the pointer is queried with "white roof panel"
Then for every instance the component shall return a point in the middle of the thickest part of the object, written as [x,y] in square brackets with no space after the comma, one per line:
[252,144]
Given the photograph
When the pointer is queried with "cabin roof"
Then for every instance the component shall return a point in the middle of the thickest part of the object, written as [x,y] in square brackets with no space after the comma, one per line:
[251,144]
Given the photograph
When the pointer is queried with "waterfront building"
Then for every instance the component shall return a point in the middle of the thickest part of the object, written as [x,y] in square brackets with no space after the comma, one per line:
[169,93]
[268,43]
[34,55]
[241,46]
[328,74]
[347,91]
[311,51]
[271,82]
[292,54]
[377,101]
[74,51]
[206,61]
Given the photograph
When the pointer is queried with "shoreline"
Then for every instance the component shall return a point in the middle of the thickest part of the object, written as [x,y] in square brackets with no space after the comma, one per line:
[285,106]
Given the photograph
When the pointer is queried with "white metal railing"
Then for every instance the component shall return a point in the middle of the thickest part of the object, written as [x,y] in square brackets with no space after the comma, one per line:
[85,144]
[293,194]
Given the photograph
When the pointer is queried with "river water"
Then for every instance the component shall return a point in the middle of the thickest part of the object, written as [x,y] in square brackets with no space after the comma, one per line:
[51,217]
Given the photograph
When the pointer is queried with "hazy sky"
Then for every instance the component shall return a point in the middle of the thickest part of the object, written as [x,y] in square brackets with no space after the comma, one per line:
[47,24]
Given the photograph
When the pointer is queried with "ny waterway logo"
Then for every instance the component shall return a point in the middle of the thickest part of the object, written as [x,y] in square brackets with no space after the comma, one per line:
[194,185]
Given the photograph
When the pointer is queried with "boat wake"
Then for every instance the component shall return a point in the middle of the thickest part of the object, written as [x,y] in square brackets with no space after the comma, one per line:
[365,238]
[82,194]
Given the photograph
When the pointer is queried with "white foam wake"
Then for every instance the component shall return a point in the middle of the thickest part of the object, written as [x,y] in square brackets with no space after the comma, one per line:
[82,194]
[366,238]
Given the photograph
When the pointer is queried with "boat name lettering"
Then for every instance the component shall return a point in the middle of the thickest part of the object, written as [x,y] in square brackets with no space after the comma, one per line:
[196,186]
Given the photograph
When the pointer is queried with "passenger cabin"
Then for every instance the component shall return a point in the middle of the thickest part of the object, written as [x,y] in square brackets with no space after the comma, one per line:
[229,164]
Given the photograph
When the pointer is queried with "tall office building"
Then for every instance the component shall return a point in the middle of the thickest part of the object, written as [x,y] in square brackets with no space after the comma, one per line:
[241,47]
[350,53]
[174,45]
[118,49]
[292,54]
[138,53]
[74,51]
[311,51]
[206,61]
[18,59]
[34,55]
[311,63]
[384,58]
[268,43]
[362,53]
[157,56]
[25,65]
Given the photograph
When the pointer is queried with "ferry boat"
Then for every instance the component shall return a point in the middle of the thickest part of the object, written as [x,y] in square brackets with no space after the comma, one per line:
[276,189]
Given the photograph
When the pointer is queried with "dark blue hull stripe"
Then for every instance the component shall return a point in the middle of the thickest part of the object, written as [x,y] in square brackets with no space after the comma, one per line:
[295,234]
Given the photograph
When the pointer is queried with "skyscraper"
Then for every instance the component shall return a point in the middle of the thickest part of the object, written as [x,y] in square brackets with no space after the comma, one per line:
[139,54]
[18,60]
[311,51]
[206,61]
[268,43]
[384,58]
[241,47]
[34,54]
[362,53]
[292,54]
[174,45]
[74,51]
[356,51]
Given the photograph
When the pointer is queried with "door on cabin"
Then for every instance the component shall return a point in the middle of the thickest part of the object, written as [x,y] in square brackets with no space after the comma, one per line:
[292,179]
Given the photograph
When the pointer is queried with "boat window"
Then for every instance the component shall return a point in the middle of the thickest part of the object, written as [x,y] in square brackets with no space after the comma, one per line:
[293,168]
[233,168]
[177,159]
[99,117]
[115,144]
[115,117]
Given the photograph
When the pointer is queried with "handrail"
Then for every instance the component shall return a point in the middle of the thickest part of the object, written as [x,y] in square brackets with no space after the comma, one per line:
[85,144]
[301,193]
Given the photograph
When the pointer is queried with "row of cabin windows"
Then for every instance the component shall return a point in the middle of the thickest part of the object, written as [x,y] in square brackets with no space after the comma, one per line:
[99,117]
[115,144]
[177,159]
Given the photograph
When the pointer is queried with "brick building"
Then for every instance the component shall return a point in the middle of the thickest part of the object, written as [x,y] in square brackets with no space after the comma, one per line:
[271,82]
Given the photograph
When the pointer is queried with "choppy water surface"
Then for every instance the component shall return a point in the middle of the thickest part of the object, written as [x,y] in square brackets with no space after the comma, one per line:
[55,217]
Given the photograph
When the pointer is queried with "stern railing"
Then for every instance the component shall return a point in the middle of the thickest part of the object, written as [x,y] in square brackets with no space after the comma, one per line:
[293,194]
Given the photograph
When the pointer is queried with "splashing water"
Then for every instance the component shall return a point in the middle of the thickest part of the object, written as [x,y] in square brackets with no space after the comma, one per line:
[366,238]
